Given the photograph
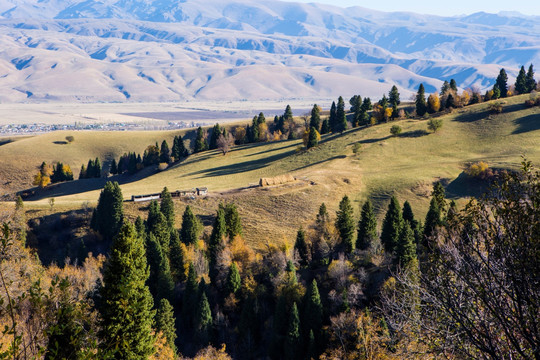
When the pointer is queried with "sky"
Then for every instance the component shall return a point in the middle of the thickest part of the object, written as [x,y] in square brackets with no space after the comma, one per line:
[438,7]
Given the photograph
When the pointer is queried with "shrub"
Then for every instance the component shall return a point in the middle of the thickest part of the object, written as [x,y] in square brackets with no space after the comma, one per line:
[356,148]
[70,139]
[496,108]
[479,170]
[395,130]
[162,166]
[435,124]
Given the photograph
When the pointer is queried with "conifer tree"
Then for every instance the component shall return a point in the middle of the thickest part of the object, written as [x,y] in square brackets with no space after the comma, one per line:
[332,119]
[234,282]
[160,280]
[156,224]
[216,244]
[440,195]
[393,97]
[109,213]
[126,311]
[392,223]
[315,120]
[189,234]
[325,127]
[288,115]
[292,341]
[501,83]
[97,168]
[200,141]
[521,81]
[82,173]
[367,227]
[164,153]
[203,321]
[313,138]
[301,247]
[165,322]
[178,150]
[345,223]
[189,298]
[421,106]
[216,131]
[114,167]
[433,219]
[167,207]
[279,329]
[408,214]
[444,88]
[139,226]
[233,222]
[291,273]
[341,119]
[254,134]
[312,318]
[177,257]
[453,85]
[530,80]
[406,248]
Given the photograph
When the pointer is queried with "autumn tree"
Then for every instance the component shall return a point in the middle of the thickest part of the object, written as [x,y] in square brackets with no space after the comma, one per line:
[126,309]
[433,103]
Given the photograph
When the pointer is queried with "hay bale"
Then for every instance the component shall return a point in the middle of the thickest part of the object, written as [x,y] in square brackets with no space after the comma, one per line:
[276,180]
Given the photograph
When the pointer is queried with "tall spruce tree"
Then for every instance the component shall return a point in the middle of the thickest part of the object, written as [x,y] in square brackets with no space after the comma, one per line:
[521,82]
[126,311]
[216,131]
[177,257]
[313,138]
[233,222]
[165,322]
[189,234]
[190,298]
[530,80]
[408,214]
[341,118]
[160,281]
[421,106]
[440,195]
[312,318]
[203,321]
[433,219]
[406,248]
[164,153]
[167,207]
[288,115]
[234,282]
[315,120]
[444,88]
[216,244]
[393,97]
[292,340]
[332,119]
[114,167]
[502,83]
[200,141]
[367,227]
[392,224]
[300,247]
[325,127]
[453,85]
[109,213]
[345,223]
[279,329]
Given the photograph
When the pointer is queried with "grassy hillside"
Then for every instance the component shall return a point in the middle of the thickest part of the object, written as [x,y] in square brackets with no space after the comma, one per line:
[406,166]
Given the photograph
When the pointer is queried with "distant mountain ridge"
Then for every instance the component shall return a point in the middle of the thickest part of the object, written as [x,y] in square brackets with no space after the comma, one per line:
[163,50]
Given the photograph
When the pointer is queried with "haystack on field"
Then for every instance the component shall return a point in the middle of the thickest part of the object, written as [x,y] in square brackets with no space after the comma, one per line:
[362,163]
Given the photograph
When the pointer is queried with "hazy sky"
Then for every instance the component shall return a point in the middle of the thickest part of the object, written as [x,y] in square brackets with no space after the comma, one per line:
[438,7]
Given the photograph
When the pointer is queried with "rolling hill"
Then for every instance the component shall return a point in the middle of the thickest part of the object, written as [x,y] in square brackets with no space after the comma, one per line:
[383,165]
[162,50]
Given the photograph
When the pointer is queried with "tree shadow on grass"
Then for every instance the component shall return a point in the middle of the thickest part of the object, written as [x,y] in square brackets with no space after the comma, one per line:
[414,134]
[475,116]
[527,123]
[466,186]
[60,142]
[243,166]
[371,141]
[82,185]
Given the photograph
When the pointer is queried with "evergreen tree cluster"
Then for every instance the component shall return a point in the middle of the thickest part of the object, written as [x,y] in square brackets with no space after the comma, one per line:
[61,172]
[92,169]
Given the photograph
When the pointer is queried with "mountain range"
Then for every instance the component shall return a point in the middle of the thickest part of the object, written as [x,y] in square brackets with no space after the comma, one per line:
[167,50]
